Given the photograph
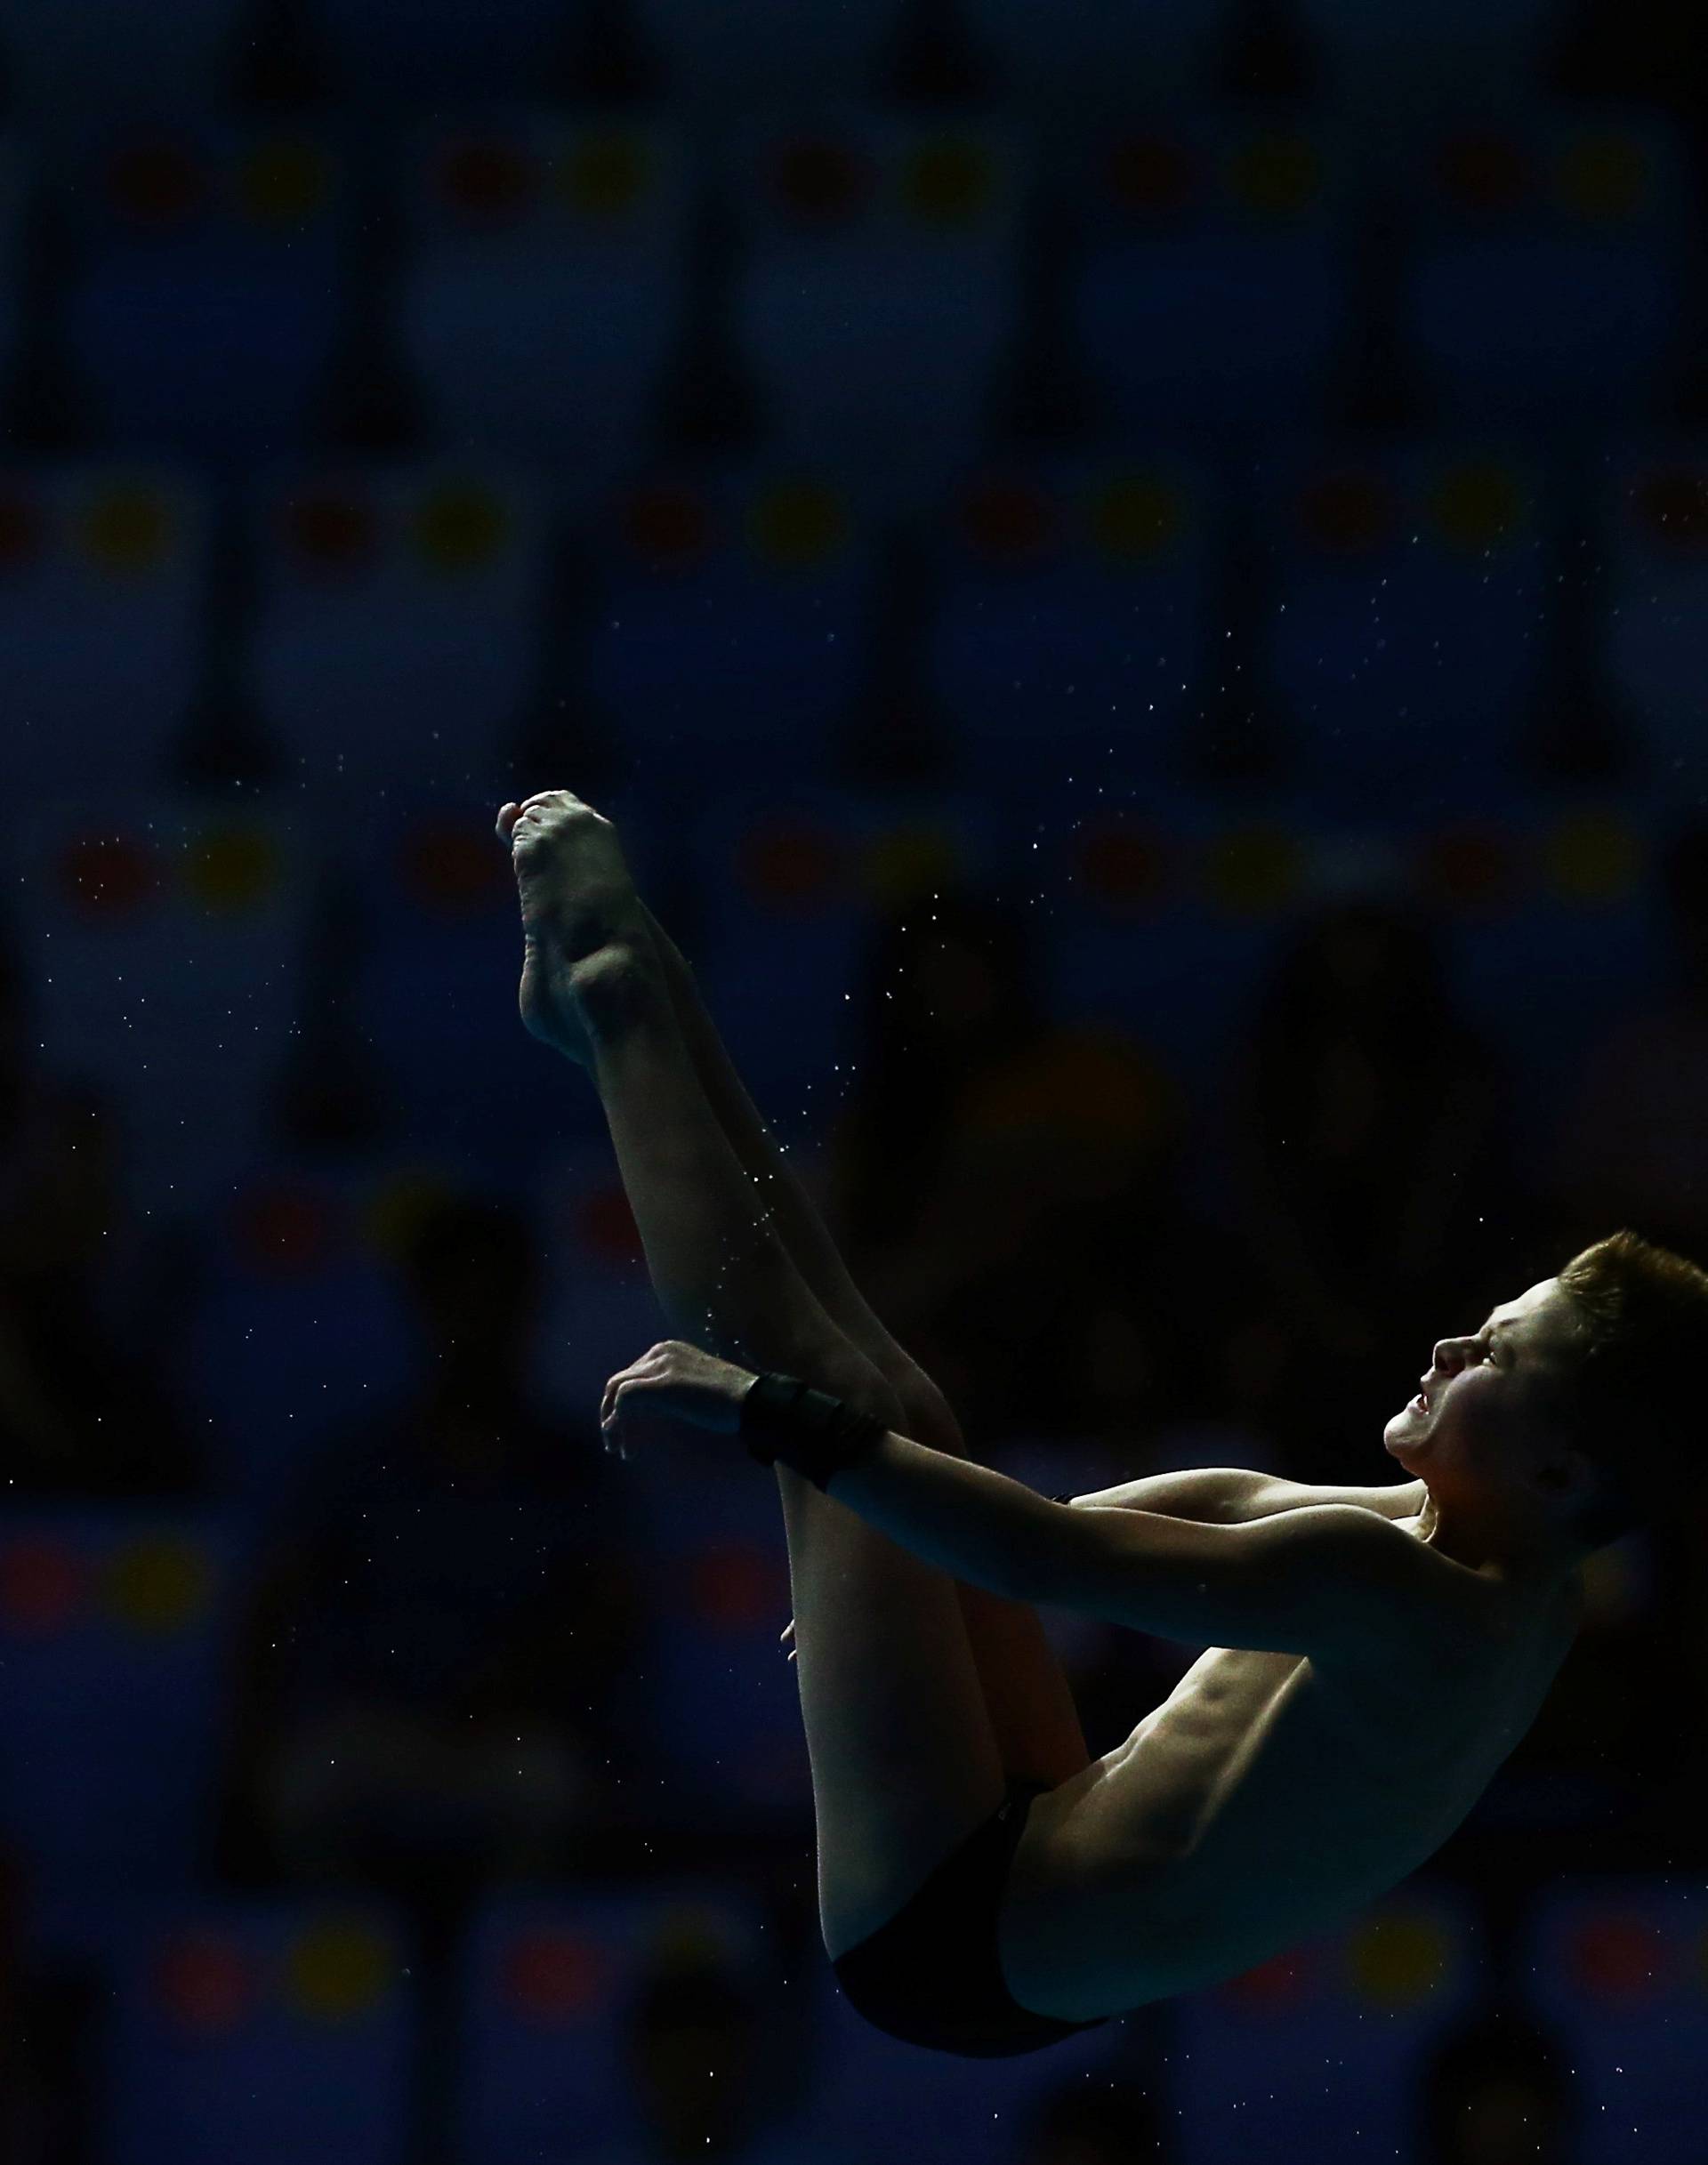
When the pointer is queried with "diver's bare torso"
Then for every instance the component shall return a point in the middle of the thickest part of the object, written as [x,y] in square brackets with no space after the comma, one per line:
[1267,1798]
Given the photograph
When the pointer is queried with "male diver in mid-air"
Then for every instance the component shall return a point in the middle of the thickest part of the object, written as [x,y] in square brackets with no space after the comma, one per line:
[985,1887]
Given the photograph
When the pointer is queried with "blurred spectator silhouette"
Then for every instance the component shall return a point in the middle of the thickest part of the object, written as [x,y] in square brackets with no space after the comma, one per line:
[1642,50]
[440,1627]
[16,2113]
[1114,2122]
[1631,1143]
[948,988]
[87,1294]
[1006,1188]
[1609,1755]
[1631,1148]
[1495,2091]
[1371,1118]
[693,2053]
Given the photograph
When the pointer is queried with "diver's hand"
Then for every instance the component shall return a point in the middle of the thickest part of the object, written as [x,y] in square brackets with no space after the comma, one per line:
[675,1382]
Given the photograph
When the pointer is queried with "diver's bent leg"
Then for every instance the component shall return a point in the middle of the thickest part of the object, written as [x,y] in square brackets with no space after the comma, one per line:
[1030,1702]
[904,1761]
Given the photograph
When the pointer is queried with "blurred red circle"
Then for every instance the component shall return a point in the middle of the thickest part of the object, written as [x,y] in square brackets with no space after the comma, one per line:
[553,1978]
[203,1981]
[43,1584]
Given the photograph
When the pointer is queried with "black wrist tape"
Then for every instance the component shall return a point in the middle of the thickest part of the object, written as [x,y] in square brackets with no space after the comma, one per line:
[783,1418]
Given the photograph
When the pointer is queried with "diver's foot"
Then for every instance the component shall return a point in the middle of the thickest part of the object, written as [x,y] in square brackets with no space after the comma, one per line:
[587,951]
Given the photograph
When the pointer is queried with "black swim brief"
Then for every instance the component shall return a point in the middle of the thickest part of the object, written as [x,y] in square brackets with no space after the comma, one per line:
[930,1976]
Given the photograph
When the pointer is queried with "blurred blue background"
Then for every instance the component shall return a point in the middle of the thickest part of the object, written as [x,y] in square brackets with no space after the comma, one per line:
[1135,580]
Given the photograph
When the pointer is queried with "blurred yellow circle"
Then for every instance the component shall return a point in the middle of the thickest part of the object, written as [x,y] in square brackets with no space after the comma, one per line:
[1254,870]
[1478,504]
[338,1971]
[127,527]
[399,1204]
[1277,174]
[284,180]
[1398,1959]
[1593,856]
[603,172]
[797,522]
[1135,516]
[909,860]
[231,869]
[460,526]
[158,1582]
[1604,175]
[948,182]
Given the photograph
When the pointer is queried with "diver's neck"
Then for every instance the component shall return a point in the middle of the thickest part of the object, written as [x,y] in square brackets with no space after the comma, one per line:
[1523,1570]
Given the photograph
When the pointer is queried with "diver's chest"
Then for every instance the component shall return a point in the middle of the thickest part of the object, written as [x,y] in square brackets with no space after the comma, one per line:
[1268,1750]
[1258,1801]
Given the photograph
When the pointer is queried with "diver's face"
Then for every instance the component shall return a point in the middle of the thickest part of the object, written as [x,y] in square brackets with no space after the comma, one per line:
[1476,1423]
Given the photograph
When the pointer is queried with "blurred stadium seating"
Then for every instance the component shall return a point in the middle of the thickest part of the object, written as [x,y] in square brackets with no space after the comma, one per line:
[732,621]
[174,926]
[787,876]
[1355,2008]
[721,1710]
[878,291]
[1214,286]
[1402,640]
[398,624]
[927,2106]
[540,299]
[882,482]
[297,1285]
[548,1982]
[1616,1962]
[115,1626]
[103,60]
[274,2031]
[1544,284]
[1075,618]
[1654,528]
[1463,53]
[762,55]
[1085,55]
[465,50]
[206,290]
[104,578]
